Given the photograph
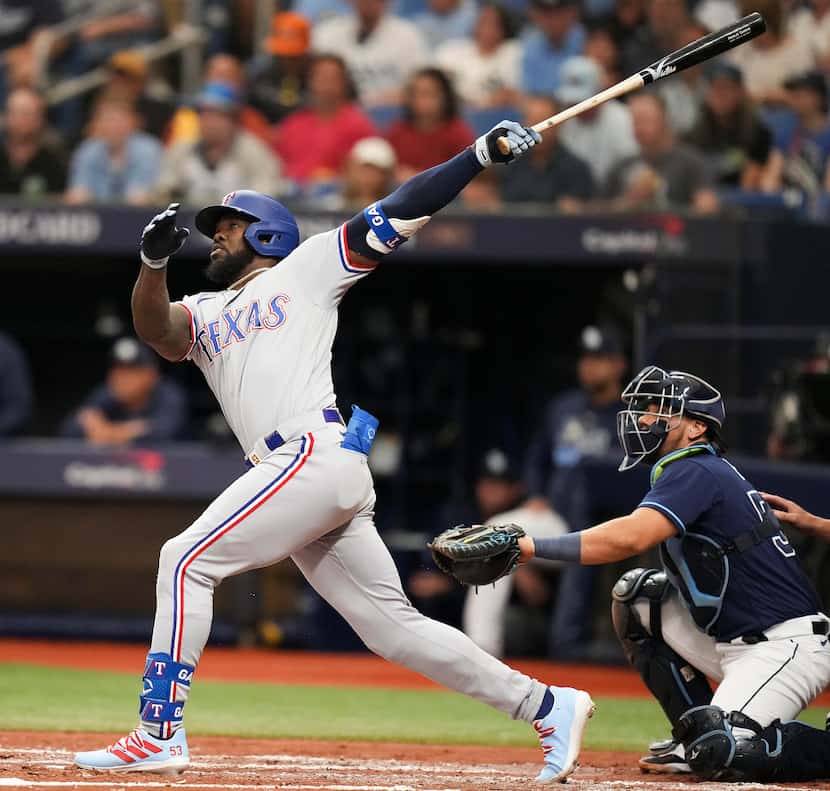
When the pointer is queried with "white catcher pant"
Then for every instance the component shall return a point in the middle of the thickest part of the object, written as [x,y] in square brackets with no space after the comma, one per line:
[312,500]
[777,678]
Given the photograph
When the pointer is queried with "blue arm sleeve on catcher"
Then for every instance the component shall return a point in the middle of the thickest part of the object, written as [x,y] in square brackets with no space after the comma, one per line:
[421,196]
[567,547]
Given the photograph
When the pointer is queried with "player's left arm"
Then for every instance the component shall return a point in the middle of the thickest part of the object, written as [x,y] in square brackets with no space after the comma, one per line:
[608,542]
[385,225]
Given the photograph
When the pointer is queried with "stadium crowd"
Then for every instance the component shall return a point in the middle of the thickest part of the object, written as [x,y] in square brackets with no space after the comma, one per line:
[341,100]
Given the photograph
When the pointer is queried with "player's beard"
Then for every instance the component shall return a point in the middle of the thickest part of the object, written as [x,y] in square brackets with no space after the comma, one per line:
[225,270]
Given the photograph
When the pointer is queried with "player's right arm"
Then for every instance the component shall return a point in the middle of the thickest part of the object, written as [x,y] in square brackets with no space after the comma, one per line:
[166,326]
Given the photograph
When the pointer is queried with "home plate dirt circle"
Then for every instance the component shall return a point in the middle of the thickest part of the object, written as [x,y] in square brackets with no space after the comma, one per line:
[44,760]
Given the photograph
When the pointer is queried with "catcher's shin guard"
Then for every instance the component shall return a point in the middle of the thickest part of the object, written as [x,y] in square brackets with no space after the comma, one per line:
[677,685]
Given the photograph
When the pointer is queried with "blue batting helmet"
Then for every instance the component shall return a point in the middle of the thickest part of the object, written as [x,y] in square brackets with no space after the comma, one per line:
[666,396]
[273,231]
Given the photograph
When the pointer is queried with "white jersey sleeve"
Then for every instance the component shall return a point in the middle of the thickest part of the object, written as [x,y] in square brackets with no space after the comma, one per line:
[323,263]
[191,304]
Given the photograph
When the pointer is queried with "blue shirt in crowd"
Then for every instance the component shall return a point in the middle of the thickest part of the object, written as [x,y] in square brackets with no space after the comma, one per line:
[704,495]
[93,170]
[542,61]
[812,148]
[166,413]
[15,387]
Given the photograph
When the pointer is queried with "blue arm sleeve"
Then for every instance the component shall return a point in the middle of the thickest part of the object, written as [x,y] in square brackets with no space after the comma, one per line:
[421,196]
[567,547]
[683,493]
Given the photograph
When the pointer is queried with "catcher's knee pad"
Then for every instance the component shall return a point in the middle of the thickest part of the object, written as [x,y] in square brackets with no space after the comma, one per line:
[708,740]
[677,685]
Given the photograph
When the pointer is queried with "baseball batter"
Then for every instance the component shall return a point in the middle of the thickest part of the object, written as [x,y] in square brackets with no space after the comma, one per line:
[731,602]
[263,342]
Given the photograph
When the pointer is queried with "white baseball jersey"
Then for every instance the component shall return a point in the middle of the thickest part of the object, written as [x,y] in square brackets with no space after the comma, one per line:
[265,349]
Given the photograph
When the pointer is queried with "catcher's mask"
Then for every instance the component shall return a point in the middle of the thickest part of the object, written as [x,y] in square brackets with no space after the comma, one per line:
[665,397]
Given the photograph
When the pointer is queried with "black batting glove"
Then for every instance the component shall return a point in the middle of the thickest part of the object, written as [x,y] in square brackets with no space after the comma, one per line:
[161,238]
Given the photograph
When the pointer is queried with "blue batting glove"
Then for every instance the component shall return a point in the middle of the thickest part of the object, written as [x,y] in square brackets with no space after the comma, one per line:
[520,139]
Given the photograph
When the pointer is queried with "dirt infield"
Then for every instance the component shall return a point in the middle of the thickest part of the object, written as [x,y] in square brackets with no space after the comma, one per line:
[44,760]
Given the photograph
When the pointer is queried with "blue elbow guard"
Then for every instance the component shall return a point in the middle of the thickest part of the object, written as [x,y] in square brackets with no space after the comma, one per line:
[360,431]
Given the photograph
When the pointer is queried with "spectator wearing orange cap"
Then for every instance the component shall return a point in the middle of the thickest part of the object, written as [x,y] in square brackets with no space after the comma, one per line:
[278,76]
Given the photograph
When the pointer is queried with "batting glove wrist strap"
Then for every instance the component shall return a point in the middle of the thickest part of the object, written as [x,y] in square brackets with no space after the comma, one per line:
[518,137]
[159,263]
[161,238]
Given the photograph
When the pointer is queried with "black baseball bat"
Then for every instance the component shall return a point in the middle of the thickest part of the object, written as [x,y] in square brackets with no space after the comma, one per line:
[698,51]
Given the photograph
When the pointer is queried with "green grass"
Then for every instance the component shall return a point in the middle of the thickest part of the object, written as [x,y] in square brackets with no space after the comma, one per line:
[39,698]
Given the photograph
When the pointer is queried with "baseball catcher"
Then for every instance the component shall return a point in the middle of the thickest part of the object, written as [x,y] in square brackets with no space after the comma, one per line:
[731,602]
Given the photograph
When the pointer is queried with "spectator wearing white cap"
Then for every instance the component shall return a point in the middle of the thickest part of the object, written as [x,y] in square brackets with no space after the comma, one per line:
[368,173]
[601,137]
[485,69]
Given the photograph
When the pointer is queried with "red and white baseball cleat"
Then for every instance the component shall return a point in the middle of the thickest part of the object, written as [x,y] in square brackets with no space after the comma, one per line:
[139,752]
[560,732]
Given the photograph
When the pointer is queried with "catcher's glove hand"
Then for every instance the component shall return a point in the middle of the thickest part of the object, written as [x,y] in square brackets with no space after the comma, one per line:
[477,554]
[161,238]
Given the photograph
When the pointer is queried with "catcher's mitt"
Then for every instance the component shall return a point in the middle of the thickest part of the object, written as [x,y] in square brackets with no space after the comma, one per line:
[477,554]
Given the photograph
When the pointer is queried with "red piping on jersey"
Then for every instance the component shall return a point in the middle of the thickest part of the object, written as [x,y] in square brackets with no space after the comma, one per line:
[192,332]
[345,254]
[283,480]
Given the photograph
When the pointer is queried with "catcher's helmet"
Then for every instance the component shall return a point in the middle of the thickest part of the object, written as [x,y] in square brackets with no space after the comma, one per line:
[273,231]
[666,396]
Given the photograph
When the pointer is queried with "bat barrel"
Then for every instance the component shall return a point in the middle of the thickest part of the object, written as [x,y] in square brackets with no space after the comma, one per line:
[706,47]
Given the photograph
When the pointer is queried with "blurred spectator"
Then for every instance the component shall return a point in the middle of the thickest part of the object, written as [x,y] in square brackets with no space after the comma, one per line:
[801,154]
[110,32]
[715,14]
[381,50]
[317,11]
[431,130]
[127,78]
[278,77]
[32,164]
[15,387]
[484,68]
[369,173]
[578,424]
[227,70]
[626,21]
[601,137]
[666,173]
[23,23]
[550,173]
[512,616]
[666,20]
[810,28]
[730,132]
[135,405]
[555,37]
[224,158]
[313,142]
[118,162]
[446,19]
[683,95]
[602,48]
[768,61]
